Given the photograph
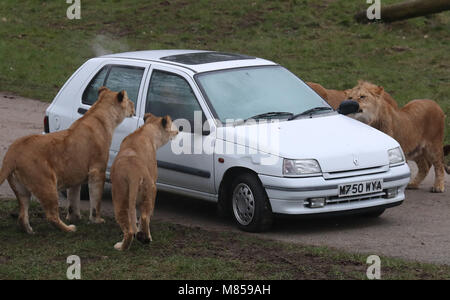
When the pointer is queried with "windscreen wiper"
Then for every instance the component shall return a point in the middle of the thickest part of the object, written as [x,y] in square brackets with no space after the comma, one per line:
[310,112]
[270,115]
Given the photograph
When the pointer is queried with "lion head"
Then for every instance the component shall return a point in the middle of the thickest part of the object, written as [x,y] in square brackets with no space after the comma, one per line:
[118,100]
[164,125]
[371,99]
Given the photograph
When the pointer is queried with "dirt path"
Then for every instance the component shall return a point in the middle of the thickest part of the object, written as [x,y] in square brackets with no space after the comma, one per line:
[417,230]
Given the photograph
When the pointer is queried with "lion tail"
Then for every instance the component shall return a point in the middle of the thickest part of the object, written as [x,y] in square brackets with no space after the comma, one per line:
[447,152]
[133,190]
[7,169]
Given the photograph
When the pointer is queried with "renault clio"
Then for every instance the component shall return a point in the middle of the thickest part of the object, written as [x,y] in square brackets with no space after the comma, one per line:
[253,136]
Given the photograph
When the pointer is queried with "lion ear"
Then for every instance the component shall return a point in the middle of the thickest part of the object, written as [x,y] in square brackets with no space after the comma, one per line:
[102,89]
[121,95]
[147,116]
[379,90]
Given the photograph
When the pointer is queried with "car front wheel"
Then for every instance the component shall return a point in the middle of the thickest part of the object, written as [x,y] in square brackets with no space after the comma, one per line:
[250,205]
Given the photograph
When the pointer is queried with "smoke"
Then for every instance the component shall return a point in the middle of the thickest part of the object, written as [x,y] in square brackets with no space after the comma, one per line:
[103,45]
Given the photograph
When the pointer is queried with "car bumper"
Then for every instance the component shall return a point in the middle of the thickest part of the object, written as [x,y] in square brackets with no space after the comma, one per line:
[288,195]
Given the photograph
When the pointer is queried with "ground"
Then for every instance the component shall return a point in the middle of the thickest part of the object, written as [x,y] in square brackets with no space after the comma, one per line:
[178,252]
[415,231]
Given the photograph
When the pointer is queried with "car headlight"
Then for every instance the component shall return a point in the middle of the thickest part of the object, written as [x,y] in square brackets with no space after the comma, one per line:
[396,156]
[295,167]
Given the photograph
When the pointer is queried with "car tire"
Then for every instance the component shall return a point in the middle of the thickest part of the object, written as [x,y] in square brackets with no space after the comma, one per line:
[250,206]
[375,213]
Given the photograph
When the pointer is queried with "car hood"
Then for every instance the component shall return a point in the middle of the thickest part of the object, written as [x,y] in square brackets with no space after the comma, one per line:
[337,142]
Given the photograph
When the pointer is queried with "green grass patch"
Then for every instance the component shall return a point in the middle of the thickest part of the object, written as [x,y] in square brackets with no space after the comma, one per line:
[318,40]
[178,252]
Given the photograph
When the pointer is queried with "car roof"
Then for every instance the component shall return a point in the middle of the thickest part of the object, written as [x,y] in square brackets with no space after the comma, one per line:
[195,60]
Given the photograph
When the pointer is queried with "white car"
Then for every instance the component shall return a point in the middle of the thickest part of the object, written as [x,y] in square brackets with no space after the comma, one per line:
[270,144]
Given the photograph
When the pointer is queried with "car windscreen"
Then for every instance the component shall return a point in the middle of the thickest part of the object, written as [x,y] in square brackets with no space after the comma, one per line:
[239,94]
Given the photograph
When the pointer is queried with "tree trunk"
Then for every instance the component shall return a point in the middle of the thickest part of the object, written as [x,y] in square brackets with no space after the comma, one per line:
[406,10]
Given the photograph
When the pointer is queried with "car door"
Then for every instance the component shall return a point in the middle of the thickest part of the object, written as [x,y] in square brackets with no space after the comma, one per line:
[117,76]
[182,163]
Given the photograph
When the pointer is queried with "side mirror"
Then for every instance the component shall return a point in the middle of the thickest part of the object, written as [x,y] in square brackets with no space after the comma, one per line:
[203,132]
[348,107]
[207,130]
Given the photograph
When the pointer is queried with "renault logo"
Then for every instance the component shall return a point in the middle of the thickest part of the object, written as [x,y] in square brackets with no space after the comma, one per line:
[355,161]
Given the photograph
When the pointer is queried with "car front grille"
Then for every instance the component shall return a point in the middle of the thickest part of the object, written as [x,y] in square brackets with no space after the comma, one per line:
[341,200]
[335,200]
[353,173]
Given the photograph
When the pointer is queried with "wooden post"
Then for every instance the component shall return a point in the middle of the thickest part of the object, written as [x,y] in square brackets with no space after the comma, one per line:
[406,10]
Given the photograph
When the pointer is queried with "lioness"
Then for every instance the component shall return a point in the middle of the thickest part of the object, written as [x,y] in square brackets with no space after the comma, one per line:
[133,177]
[333,97]
[43,164]
[418,127]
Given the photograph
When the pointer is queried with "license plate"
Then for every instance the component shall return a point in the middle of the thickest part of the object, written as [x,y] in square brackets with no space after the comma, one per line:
[359,188]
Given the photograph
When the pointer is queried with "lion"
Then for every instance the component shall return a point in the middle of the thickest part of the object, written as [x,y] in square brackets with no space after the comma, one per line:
[418,127]
[336,97]
[133,177]
[43,164]
[333,97]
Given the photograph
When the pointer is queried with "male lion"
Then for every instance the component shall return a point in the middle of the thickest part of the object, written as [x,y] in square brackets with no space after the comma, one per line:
[133,177]
[43,164]
[418,127]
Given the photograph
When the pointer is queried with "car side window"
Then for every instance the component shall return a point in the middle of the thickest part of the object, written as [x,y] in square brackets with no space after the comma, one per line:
[116,78]
[170,94]
[90,94]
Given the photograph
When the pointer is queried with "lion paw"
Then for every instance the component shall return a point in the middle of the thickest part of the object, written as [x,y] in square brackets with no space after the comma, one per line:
[73,218]
[29,230]
[437,189]
[96,220]
[412,186]
[140,236]
[118,246]
[72,228]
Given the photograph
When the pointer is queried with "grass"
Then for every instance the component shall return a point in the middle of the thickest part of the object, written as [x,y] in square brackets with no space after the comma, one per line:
[318,40]
[178,252]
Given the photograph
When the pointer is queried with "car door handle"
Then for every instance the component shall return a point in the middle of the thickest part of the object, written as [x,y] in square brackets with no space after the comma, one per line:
[82,111]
